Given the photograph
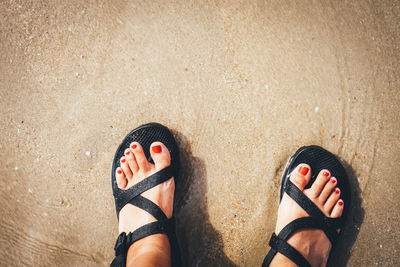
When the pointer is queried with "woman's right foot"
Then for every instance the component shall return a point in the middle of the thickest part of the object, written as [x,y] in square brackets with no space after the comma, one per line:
[313,244]
[153,250]
[134,168]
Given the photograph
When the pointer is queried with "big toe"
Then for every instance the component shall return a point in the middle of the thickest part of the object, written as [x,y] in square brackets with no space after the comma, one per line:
[301,175]
[160,154]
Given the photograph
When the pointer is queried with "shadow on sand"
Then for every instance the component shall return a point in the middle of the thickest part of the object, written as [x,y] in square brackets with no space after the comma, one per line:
[341,252]
[200,243]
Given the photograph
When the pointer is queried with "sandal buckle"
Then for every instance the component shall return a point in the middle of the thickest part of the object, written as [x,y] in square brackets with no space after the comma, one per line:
[120,245]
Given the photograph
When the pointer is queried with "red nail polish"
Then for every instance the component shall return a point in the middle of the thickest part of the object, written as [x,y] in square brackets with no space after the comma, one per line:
[325,173]
[123,160]
[127,153]
[119,171]
[156,149]
[337,191]
[303,170]
[340,203]
[133,146]
[333,181]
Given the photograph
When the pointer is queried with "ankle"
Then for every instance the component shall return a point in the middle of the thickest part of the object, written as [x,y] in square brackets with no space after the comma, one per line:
[153,250]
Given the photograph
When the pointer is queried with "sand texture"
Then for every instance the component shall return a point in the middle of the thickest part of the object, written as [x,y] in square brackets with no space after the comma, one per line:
[242,84]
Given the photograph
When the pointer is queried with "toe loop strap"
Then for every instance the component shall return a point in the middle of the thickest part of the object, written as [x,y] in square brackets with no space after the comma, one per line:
[328,225]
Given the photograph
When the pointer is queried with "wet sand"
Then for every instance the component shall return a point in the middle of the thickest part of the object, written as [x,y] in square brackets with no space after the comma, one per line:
[242,85]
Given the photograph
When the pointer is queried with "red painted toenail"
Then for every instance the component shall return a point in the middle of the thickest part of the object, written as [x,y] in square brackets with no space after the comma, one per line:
[337,191]
[333,181]
[127,153]
[156,149]
[123,160]
[133,146]
[119,171]
[340,203]
[303,170]
[325,173]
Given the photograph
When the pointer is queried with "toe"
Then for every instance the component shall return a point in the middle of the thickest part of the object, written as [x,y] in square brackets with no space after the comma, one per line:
[338,209]
[327,190]
[319,183]
[332,199]
[130,158]
[140,157]
[125,168]
[301,175]
[160,155]
[121,179]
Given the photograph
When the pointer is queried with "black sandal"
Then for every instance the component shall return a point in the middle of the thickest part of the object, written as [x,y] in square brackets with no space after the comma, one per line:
[318,159]
[146,135]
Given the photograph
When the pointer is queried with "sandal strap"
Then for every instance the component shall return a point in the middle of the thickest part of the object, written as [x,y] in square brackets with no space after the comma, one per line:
[132,196]
[149,206]
[298,224]
[124,241]
[316,220]
[328,225]
[281,246]
[149,182]
[287,231]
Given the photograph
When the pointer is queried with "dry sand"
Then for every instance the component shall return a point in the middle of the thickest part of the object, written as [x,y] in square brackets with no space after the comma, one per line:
[242,84]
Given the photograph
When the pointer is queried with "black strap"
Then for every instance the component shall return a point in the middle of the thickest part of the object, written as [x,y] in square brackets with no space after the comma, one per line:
[328,225]
[287,231]
[124,241]
[149,182]
[316,220]
[298,224]
[132,196]
[284,248]
[149,206]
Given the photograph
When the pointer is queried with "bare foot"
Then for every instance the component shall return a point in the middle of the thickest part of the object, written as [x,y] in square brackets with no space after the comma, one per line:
[313,244]
[153,249]
[134,168]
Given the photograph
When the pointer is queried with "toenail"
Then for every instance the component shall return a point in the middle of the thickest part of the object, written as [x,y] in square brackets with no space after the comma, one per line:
[303,170]
[123,160]
[156,149]
[337,191]
[119,171]
[340,203]
[333,180]
[133,146]
[127,153]
[325,173]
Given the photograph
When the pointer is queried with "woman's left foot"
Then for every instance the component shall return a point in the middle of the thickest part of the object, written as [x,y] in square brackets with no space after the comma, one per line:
[313,244]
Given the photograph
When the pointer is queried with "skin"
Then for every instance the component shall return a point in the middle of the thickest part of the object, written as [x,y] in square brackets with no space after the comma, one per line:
[313,244]
[154,250]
